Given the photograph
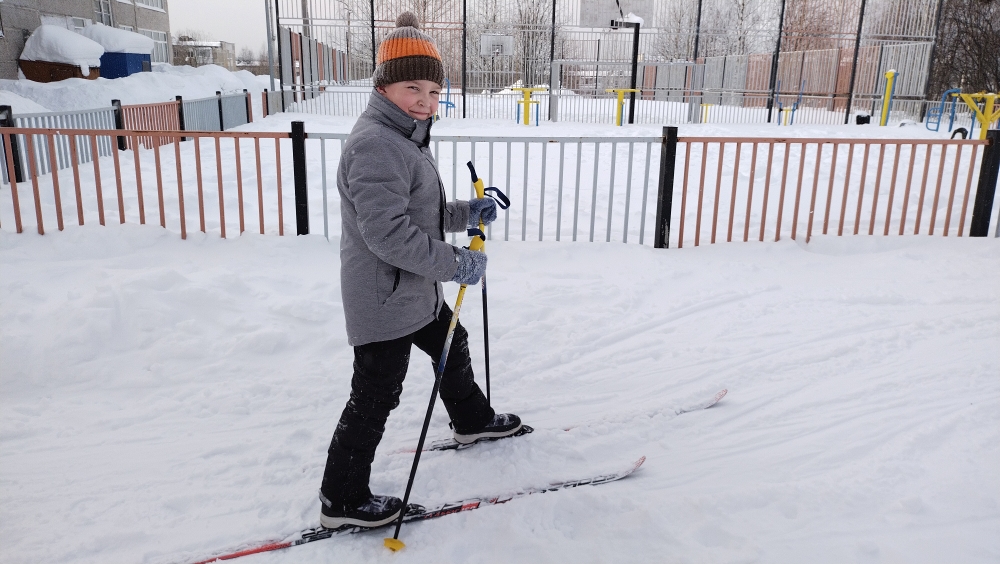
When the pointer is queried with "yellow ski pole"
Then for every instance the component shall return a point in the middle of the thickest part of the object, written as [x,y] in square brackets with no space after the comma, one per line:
[394,543]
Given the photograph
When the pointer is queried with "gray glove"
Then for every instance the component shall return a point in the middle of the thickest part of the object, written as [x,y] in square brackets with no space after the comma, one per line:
[484,209]
[471,266]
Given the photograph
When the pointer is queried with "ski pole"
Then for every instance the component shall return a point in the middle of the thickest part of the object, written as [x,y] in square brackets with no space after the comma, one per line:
[394,543]
[504,203]
[481,193]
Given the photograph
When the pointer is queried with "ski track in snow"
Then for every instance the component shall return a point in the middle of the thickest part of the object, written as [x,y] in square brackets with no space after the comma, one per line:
[165,399]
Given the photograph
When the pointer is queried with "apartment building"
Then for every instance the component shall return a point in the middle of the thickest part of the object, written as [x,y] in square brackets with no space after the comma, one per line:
[191,52]
[18,18]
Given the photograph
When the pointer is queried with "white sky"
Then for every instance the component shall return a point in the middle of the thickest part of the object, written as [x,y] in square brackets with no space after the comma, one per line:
[237,21]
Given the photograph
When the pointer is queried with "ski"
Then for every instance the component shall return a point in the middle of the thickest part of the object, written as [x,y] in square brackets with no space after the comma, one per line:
[420,513]
[704,404]
[452,444]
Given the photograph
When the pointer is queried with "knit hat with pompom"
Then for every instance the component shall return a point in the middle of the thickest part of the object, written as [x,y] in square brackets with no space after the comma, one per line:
[407,54]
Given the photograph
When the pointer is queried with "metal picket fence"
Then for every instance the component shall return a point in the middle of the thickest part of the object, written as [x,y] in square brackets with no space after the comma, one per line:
[667,191]
[216,113]
[65,148]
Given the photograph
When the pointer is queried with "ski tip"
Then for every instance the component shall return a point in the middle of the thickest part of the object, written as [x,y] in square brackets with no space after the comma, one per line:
[638,463]
[394,545]
[722,393]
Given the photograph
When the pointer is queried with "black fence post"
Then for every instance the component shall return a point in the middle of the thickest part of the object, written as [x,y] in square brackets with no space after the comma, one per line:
[665,190]
[246,94]
[180,115]
[299,172]
[10,141]
[119,123]
[222,122]
[987,188]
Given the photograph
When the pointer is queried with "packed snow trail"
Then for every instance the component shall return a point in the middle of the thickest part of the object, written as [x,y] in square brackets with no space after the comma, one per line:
[164,398]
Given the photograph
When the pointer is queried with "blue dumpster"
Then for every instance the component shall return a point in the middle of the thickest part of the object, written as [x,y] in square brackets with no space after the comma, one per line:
[118,65]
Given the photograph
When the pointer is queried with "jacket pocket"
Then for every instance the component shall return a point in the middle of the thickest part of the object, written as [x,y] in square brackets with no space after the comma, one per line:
[386,281]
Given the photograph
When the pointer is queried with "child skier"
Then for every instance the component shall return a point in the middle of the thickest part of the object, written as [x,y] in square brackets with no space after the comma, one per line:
[393,260]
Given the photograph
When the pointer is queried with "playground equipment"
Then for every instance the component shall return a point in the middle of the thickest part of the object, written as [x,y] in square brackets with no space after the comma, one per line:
[526,102]
[447,103]
[890,88]
[620,107]
[985,116]
[704,112]
[786,116]
[934,115]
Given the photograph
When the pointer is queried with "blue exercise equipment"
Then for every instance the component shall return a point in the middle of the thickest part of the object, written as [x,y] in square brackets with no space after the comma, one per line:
[447,103]
[934,114]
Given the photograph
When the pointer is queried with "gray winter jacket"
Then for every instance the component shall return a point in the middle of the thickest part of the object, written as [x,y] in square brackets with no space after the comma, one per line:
[392,250]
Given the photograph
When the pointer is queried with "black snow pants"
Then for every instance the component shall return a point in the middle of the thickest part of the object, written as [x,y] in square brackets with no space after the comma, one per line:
[379,370]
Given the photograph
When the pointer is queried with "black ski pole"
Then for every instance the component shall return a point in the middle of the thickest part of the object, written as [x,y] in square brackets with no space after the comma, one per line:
[394,543]
[481,193]
[504,203]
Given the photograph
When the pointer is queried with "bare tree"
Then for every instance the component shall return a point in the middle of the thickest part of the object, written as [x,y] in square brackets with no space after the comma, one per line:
[677,27]
[967,54]
[819,24]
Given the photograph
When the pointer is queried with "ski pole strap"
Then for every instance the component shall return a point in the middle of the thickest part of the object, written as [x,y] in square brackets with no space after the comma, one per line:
[502,200]
[478,241]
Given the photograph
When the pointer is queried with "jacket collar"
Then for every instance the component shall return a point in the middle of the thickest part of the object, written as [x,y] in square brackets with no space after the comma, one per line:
[385,112]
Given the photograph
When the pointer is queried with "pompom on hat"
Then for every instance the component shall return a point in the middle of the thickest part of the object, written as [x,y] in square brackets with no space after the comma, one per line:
[407,54]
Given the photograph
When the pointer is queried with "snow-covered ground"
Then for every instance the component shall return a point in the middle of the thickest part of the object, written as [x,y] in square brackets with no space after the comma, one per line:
[162,399]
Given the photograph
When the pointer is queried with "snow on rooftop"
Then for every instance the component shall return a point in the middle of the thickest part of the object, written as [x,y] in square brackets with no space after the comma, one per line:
[162,85]
[57,45]
[118,40]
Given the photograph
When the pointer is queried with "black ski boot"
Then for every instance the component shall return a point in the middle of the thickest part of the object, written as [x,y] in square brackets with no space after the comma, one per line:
[377,511]
[503,425]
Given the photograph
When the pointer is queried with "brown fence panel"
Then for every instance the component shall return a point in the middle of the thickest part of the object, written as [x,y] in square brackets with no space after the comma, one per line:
[813,186]
[162,116]
[215,164]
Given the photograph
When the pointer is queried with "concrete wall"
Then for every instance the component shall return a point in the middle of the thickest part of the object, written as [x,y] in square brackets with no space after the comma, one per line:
[21,17]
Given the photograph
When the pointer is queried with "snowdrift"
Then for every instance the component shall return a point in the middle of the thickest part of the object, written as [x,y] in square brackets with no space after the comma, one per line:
[162,85]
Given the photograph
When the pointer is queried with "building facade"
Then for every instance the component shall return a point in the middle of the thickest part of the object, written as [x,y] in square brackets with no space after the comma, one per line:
[18,18]
[188,51]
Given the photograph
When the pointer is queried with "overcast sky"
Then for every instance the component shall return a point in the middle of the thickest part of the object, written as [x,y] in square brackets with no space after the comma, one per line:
[237,21]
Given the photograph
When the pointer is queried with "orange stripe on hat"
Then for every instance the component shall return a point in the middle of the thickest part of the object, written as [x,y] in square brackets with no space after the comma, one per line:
[406,47]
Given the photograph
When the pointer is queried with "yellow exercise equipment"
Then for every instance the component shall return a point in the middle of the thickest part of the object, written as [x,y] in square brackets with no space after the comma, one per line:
[890,87]
[527,101]
[986,116]
[620,107]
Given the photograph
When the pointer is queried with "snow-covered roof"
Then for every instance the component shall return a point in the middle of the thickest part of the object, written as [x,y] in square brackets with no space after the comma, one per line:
[634,19]
[116,40]
[59,45]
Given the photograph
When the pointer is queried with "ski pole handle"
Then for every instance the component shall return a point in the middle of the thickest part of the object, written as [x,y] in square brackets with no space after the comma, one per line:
[477,182]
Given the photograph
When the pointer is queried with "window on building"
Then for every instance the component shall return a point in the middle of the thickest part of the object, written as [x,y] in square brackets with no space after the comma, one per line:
[76,24]
[126,27]
[161,51]
[155,4]
[102,12]
[66,22]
